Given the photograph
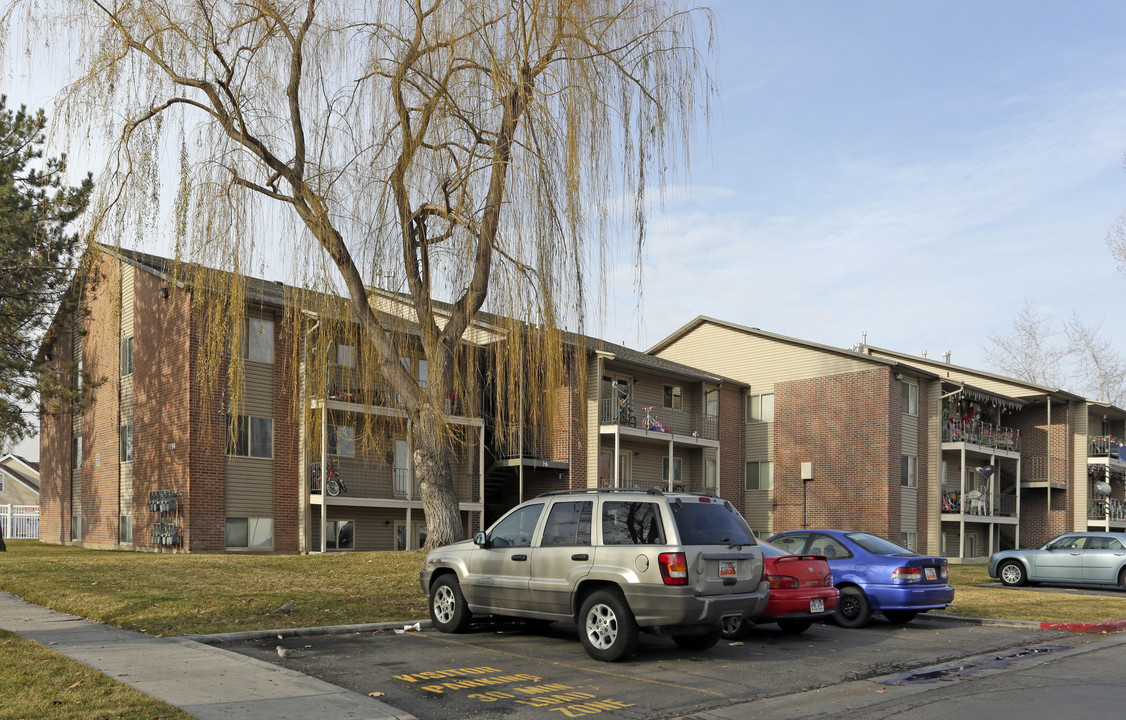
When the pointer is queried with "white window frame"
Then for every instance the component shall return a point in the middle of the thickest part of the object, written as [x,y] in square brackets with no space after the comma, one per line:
[248,423]
[677,469]
[672,397]
[342,440]
[126,356]
[259,345]
[259,533]
[910,478]
[346,355]
[910,398]
[332,530]
[764,475]
[711,403]
[711,474]
[909,540]
[759,409]
[125,443]
[76,449]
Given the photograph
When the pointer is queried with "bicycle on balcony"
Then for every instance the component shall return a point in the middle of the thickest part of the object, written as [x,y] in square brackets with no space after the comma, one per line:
[335,483]
[625,407]
[651,422]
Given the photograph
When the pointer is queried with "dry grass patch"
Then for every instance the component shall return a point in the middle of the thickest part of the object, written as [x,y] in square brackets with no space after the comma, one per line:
[1003,603]
[40,683]
[182,594]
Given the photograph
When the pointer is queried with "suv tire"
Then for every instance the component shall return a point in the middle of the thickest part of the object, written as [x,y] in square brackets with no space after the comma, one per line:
[448,609]
[607,626]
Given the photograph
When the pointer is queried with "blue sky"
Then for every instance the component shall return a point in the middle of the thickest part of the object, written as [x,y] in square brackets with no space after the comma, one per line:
[914,170]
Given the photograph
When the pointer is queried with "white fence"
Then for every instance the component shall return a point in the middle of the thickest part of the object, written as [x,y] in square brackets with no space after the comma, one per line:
[20,522]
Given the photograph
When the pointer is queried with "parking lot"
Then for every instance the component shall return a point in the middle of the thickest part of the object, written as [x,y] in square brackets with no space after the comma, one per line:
[511,669]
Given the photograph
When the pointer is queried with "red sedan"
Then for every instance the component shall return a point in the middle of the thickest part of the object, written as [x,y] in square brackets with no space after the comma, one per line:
[801,591]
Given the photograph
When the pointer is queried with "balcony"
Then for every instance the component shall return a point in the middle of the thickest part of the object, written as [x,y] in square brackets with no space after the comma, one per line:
[654,419]
[1106,446]
[982,434]
[977,504]
[365,481]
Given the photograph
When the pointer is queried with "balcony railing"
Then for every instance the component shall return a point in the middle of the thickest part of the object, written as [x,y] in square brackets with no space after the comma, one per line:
[655,419]
[984,434]
[1100,509]
[985,505]
[1104,446]
[387,398]
[378,481]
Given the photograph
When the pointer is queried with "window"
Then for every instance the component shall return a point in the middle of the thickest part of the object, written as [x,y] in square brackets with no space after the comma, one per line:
[568,523]
[516,528]
[253,437]
[127,356]
[909,476]
[126,443]
[78,377]
[75,527]
[1,482]
[631,523]
[259,344]
[760,408]
[672,397]
[910,398]
[676,468]
[125,530]
[255,533]
[711,403]
[342,441]
[710,474]
[76,453]
[909,540]
[346,355]
[340,535]
[760,476]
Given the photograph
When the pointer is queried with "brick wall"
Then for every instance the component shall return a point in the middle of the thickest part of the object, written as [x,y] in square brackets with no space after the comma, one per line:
[287,473]
[207,461]
[55,460]
[849,426]
[732,444]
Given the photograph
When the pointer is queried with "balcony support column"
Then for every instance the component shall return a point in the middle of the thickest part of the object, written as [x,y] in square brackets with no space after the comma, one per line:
[672,466]
[617,455]
[324,472]
[962,505]
[481,475]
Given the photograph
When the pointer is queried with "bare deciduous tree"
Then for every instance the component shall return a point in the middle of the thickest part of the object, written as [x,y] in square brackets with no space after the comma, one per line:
[1099,370]
[1030,351]
[450,149]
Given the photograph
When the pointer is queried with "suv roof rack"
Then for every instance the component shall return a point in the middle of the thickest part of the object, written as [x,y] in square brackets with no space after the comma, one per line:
[576,491]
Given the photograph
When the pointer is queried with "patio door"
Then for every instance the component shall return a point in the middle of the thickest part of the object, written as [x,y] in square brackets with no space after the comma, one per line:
[402,469]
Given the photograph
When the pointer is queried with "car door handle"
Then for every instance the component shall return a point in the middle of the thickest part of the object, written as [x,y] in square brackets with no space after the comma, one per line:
[520,557]
[580,556]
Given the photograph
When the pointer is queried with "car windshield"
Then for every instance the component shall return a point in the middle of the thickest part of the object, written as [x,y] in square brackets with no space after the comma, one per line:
[710,523]
[877,545]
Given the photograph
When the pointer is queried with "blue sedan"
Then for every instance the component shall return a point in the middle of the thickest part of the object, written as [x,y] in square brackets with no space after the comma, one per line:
[874,575]
[1076,557]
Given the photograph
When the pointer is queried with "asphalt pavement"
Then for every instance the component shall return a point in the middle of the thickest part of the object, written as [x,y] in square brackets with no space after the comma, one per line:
[1069,678]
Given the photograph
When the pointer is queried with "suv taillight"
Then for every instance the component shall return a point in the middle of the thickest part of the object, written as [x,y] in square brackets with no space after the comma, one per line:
[674,568]
[907,574]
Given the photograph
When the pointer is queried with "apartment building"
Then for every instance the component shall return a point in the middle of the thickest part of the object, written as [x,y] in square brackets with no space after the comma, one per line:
[151,460]
[946,459]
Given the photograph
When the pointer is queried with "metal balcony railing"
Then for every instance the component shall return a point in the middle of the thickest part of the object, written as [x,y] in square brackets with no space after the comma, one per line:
[374,479]
[1104,446]
[984,505]
[979,433]
[658,419]
[1100,509]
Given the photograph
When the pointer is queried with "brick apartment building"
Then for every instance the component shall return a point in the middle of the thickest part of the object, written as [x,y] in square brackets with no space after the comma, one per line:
[943,458]
[152,460]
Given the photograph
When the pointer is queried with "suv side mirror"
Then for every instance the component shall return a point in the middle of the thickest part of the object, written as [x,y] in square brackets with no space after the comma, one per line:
[480,538]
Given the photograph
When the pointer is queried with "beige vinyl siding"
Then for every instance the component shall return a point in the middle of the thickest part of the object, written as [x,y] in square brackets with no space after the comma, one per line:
[1078,470]
[760,441]
[593,388]
[755,360]
[758,510]
[127,299]
[908,510]
[16,493]
[250,487]
[909,434]
[258,393]
[76,492]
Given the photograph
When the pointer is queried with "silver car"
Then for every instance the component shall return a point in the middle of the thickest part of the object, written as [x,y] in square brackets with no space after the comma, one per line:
[1076,557]
[615,562]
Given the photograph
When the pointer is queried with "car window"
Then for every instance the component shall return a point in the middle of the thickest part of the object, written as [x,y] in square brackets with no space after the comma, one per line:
[878,545]
[568,523]
[710,523]
[1068,542]
[516,529]
[828,546]
[769,550]
[794,543]
[631,523]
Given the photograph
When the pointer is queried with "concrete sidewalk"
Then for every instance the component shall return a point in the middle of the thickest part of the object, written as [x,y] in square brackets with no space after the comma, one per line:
[209,683]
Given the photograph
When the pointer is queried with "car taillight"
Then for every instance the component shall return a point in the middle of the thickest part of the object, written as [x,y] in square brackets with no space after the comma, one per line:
[944,573]
[782,582]
[828,579]
[907,574]
[674,568]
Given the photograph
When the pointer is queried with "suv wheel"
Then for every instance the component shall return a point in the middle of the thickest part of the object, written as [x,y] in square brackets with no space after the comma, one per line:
[448,609]
[734,627]
[607,626]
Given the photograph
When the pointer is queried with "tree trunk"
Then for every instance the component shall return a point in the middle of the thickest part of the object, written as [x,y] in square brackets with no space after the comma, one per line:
[432,453]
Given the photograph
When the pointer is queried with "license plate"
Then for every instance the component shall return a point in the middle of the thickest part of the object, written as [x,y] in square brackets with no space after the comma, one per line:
[728,568]
[931,573]
[817,605]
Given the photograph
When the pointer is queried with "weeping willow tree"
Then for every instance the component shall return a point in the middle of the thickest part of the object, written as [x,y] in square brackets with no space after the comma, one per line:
[469,155]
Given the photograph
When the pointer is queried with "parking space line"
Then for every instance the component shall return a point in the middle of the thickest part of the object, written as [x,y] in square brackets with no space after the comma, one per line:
[581,668]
